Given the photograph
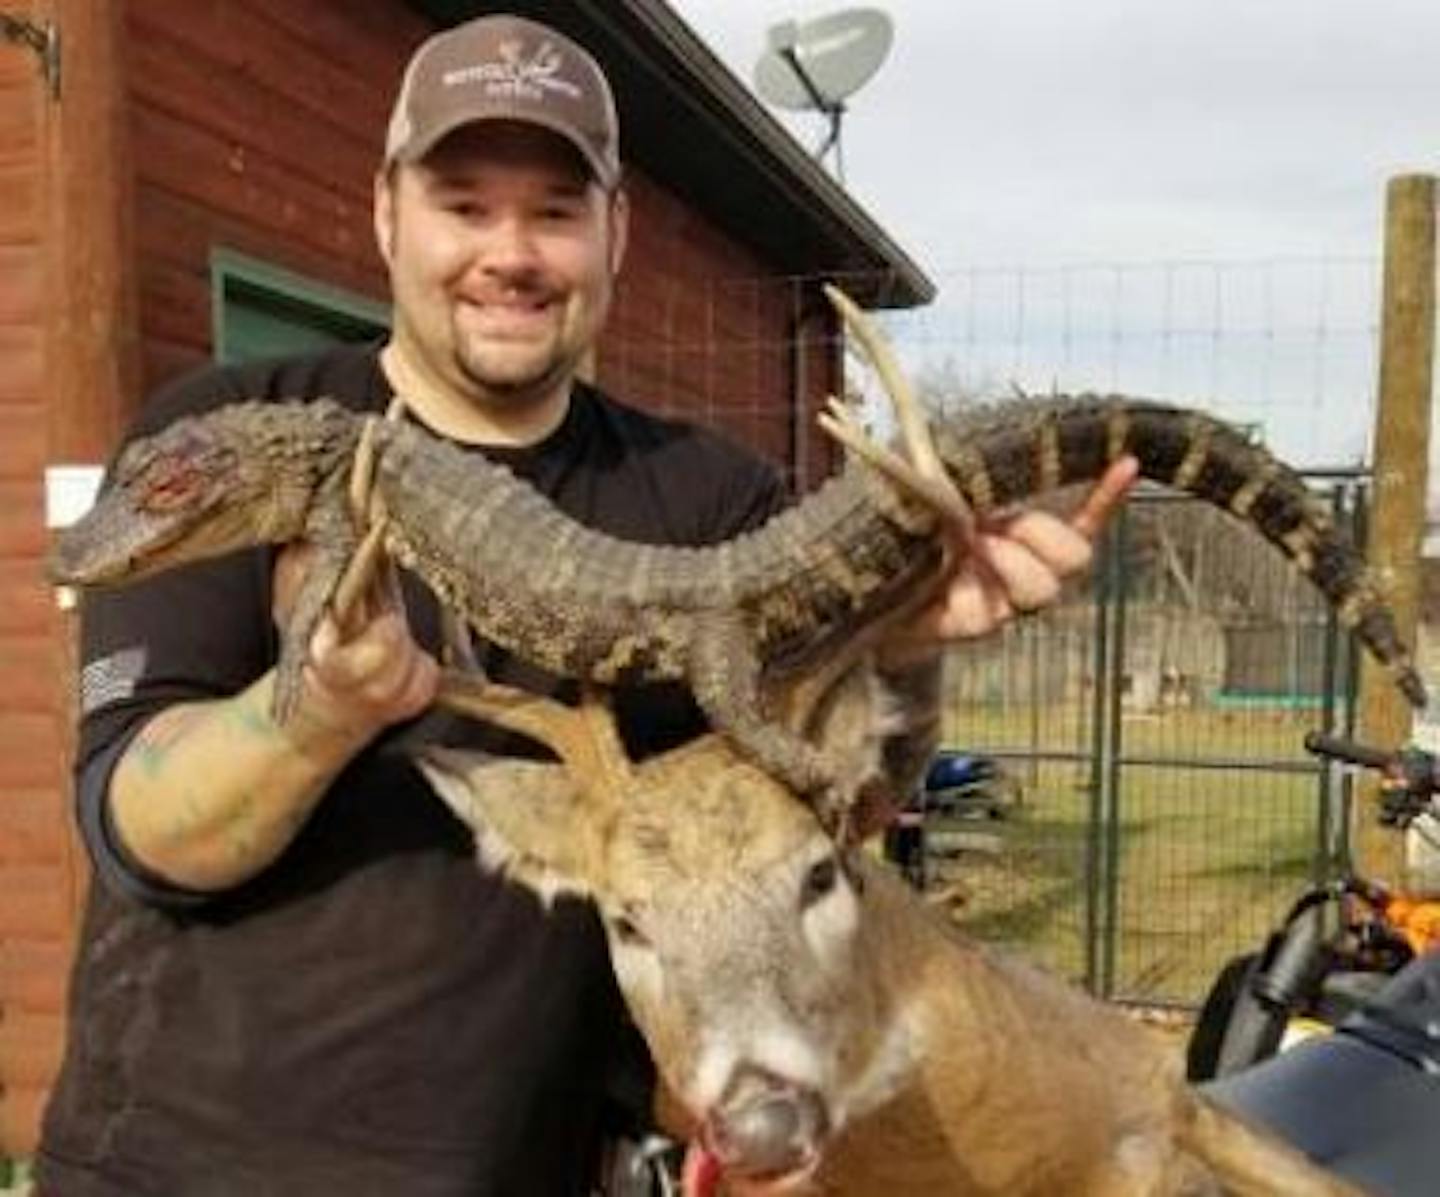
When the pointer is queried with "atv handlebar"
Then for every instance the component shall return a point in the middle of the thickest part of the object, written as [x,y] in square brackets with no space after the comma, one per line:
[1410,776]
[1338,748]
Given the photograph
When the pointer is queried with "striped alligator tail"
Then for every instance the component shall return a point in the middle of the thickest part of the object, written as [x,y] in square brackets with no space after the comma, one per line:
[1006,454]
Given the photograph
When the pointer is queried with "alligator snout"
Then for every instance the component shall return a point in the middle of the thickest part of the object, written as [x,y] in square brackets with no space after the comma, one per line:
[766,1126]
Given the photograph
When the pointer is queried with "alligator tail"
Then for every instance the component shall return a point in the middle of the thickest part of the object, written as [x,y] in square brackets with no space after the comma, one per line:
[1013,453]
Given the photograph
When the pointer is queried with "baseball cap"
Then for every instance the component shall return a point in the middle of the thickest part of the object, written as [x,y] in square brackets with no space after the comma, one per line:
[504,67]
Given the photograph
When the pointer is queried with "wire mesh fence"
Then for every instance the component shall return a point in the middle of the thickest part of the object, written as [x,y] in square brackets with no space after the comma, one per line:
[1168,813]
[1154,727]
[1286,346]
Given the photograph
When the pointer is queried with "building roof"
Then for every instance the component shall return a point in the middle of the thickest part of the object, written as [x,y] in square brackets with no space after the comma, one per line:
[688,122]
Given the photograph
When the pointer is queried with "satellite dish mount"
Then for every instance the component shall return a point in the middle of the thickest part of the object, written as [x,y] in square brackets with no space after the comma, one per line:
[784,41]
[818,65]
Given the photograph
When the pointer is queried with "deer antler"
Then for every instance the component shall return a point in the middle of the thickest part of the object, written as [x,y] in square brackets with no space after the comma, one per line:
[924,474]
[802,700]
[585,738]
[368,512]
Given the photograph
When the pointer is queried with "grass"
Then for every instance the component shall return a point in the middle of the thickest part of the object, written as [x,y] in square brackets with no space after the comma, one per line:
[14,1177]
[1206,859]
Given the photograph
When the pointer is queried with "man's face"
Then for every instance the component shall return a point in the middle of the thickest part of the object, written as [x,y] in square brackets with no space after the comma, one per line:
[502,251]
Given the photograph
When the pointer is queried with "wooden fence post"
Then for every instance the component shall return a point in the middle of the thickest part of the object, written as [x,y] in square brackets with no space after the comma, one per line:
[1402,438]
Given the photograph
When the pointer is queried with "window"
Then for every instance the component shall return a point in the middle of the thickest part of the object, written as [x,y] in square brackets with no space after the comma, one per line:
[263,311]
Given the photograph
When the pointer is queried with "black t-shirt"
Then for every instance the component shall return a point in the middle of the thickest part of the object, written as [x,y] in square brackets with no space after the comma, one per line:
[374,1014]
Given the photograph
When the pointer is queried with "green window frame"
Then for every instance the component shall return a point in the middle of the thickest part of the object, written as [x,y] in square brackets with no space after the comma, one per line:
[263,310]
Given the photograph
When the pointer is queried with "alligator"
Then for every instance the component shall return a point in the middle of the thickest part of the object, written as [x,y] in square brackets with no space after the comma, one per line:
[727,619]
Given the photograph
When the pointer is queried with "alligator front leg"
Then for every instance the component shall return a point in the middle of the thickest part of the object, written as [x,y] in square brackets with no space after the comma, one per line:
[332,538]
[322,576]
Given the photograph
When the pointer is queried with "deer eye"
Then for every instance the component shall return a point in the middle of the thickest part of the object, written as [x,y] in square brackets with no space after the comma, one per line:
[627,931]
[820,879]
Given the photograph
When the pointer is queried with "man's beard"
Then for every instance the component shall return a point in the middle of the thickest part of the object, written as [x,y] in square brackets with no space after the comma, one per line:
[513,388]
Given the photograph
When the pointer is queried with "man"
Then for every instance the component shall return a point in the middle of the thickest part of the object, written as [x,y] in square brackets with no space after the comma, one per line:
[292,977]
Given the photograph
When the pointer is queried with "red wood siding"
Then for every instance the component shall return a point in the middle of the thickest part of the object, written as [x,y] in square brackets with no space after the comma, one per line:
[701,327]
[35,847]
[255,125]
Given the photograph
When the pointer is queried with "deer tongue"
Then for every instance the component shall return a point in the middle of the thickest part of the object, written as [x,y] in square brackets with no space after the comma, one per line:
[700,1176]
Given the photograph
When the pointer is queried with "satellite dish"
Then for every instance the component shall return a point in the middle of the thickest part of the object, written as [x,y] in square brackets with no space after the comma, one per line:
[817,65]
[840,53]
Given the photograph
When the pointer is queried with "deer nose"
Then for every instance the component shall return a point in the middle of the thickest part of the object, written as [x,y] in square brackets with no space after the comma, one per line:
[765,1125]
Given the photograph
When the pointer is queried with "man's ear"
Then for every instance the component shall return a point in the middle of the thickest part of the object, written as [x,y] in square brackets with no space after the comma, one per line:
[619,229]
[383,212]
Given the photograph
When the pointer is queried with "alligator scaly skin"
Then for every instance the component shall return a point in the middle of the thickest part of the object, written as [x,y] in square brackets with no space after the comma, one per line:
[583,604]
[809,574]
[723,618]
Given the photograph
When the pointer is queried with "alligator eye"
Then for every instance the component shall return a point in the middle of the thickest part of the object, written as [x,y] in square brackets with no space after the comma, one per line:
[819,881]
[170,484]
[185,474]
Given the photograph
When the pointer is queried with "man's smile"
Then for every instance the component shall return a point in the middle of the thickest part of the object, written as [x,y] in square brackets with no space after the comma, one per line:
[507,315]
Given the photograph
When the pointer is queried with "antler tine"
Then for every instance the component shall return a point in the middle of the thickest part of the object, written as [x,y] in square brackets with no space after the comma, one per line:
[585,738]
[878,352]
[942,496]
[925,473]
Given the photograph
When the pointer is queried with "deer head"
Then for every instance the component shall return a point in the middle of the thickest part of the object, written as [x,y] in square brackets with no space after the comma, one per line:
[732,912]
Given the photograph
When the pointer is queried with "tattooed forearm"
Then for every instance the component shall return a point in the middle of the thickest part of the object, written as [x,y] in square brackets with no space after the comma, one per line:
[152,745]
[251,719]
[243,833]
[209,794]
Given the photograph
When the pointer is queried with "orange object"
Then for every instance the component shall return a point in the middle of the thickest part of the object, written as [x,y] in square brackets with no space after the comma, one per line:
[1418,920]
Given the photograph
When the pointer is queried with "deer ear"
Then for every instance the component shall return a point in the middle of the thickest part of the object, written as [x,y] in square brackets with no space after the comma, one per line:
[881,733]
[851,720]
[529,818]
[876,807]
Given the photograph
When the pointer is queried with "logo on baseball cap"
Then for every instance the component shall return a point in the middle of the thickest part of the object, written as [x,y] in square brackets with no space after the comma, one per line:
[505,68]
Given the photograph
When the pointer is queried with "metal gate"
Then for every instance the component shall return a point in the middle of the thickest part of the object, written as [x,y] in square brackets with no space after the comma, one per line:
[1167,812]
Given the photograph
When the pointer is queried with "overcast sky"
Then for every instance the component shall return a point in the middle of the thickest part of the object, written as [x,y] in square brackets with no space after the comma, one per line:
[1143,143]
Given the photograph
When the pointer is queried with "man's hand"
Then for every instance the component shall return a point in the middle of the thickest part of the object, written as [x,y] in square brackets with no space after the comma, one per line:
[372,675]
[1017,564]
